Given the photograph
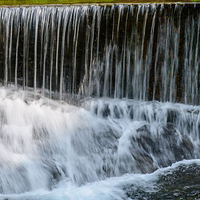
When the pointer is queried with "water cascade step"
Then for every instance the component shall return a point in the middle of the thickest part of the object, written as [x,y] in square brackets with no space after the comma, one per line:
[100,102]
[142,52]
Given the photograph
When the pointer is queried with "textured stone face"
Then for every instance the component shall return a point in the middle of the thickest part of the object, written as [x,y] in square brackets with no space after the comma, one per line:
[179,183]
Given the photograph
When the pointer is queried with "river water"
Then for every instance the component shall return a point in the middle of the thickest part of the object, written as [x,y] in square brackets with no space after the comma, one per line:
[100,102]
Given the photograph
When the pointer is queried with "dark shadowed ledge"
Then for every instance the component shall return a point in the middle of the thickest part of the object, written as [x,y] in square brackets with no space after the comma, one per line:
[42,2]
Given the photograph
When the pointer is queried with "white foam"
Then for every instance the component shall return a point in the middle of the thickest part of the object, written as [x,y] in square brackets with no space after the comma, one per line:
[44,142]
[109,189]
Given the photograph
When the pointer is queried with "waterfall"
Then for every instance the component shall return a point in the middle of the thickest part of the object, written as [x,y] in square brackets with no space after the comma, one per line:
[141,52]
[98,101]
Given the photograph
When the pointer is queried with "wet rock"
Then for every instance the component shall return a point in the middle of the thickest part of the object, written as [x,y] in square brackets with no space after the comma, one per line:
[182,182]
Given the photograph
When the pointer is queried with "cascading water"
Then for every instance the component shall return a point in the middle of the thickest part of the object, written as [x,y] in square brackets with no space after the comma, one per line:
[91,93]
[143,52]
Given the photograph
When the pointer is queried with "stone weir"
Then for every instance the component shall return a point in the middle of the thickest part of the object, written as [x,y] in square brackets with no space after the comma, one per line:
[142,51]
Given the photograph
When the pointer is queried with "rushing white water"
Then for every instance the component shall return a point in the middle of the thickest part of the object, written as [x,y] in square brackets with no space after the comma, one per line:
[44,143]
[96,102]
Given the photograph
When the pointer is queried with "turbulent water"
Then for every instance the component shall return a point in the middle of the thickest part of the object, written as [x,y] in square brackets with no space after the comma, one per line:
[59,151]
[100,102]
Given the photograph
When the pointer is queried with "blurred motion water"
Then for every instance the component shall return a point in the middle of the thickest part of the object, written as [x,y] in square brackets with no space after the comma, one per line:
[100,102]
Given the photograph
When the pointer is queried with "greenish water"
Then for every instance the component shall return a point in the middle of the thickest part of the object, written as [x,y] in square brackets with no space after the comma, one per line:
[37,2]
